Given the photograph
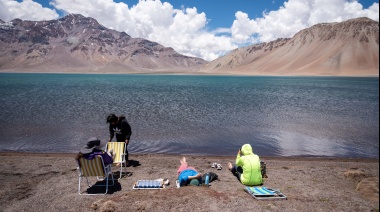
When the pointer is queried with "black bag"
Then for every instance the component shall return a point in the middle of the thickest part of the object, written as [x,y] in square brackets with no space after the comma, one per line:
[212,177]
[263,167]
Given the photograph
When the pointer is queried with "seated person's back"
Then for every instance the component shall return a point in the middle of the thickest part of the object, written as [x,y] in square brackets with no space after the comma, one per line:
[93,149]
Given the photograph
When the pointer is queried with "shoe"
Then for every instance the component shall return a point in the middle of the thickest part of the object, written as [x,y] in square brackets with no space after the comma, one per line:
[219,167]
[214,165]
[166,182]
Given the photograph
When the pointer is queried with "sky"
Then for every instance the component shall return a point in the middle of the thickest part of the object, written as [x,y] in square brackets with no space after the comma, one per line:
[200,28]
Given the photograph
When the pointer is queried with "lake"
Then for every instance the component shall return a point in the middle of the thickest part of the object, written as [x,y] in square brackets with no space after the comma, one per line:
[199,115]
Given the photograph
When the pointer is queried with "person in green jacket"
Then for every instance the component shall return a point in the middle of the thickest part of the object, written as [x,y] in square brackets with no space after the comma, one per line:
[247,167]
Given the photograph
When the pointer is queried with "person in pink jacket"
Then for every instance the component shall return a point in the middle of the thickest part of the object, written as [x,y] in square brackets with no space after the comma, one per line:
[188,174]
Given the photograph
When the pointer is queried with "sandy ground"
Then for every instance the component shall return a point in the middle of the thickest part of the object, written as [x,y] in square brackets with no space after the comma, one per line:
[49,182]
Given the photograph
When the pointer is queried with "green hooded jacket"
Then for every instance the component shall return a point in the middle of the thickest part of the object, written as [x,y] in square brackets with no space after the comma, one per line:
[251,166]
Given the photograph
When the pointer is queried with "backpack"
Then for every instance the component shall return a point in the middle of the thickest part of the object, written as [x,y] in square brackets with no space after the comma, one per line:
[263,168]
[212,176]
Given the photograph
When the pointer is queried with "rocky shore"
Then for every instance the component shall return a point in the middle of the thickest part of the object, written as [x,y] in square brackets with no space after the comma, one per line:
[49,182]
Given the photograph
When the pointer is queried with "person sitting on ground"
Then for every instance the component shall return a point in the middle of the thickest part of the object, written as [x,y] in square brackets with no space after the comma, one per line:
[92,149]
[188,174]
[247,168]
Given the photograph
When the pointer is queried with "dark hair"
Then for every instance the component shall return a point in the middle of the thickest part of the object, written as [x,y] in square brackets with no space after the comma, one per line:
[121,117]
[112,118]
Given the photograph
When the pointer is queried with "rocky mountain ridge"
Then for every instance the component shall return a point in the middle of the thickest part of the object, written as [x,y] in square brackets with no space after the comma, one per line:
[75,43]
[349,48]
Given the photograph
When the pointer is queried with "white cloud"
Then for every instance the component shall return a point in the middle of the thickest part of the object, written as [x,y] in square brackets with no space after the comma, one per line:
[181,29]
[109,13]
[221,31]
[185,30]
[296,15]
[25,10]
[243,28]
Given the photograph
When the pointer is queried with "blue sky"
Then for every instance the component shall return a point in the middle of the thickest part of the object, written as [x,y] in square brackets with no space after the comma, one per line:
[220,12]
[200,28]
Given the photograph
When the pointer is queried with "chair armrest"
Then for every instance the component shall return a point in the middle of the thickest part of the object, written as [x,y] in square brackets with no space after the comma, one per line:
[108,168]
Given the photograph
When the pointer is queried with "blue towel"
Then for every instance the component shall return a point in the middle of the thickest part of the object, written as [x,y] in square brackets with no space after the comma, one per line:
[260,191]
[263,193]
[148,184]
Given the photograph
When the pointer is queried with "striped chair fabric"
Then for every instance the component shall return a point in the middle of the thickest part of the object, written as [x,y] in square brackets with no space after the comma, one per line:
[119,154]
[119,151]
[92,167]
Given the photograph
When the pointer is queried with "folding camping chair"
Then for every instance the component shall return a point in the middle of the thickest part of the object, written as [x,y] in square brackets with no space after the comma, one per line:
[118,149]
[263,193]
[94,168]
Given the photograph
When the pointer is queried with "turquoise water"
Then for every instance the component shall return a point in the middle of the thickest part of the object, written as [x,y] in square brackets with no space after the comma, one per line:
[201,115]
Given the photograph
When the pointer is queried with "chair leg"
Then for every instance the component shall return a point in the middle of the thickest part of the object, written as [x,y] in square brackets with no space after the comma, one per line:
[113,180]
[107,179]
[109,172]
[79,186]
[121,169]
[125,169]
[106,185]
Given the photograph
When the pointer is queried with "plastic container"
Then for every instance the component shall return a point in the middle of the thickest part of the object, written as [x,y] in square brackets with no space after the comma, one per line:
[207,180]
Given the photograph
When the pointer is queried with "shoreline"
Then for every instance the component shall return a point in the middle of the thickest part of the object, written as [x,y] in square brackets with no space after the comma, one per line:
[288,158]
[187,74]
[49,182]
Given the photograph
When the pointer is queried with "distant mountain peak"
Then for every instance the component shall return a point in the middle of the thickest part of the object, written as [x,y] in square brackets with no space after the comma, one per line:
[75,43]
[348,48]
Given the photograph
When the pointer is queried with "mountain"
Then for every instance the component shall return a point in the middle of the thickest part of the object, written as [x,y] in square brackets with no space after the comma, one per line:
[76,43]
[349,48]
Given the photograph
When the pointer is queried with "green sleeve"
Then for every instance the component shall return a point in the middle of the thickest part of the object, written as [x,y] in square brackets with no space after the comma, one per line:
[239,161]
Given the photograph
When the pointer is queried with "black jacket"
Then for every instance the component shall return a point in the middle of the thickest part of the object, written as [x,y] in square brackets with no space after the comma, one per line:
[122,130]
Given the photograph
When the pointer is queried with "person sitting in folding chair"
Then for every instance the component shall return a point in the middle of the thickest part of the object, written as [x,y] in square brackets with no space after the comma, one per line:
[94,148]
[94,162]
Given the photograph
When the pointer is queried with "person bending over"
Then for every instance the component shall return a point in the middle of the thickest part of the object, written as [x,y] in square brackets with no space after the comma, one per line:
[120,127]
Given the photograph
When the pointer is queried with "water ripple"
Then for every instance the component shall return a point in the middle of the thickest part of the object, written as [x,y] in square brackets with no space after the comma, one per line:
[204,115]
